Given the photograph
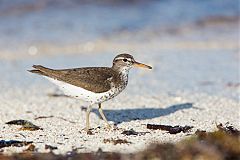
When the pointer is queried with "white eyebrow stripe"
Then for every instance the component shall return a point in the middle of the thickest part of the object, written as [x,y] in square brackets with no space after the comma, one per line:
[120,58]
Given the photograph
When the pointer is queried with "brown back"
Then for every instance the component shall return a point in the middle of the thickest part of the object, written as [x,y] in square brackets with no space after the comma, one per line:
[95,79]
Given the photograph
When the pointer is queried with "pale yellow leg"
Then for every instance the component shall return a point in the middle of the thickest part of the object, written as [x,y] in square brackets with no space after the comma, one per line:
[102,115]
[87,118]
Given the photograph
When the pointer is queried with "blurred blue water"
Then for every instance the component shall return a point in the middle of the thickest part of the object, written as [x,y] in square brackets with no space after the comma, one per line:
[68,21]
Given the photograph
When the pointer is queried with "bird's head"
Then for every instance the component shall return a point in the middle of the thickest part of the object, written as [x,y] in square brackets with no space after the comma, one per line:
[126,62]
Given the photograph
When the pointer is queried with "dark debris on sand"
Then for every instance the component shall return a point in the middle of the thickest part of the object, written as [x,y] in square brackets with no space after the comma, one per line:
[170,129]
[116,141]
[30,148]
[51,148]
[26,125]
[222,144]
[13,143]
[228,129]
[43,117]
[132,132]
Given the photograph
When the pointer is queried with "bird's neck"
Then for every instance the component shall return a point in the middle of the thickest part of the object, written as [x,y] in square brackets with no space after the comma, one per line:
[123,73]
[121,70]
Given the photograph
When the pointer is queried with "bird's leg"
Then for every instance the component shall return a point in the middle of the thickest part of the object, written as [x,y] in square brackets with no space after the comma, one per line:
[102,115]
[87,117]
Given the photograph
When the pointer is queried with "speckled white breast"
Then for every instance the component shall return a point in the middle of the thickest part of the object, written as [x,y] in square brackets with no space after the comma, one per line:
[86,95]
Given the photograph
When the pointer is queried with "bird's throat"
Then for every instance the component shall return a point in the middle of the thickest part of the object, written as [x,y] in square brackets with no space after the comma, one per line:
[123,73]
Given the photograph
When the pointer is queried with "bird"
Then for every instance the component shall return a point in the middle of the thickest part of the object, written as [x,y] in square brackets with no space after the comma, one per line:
[94,85]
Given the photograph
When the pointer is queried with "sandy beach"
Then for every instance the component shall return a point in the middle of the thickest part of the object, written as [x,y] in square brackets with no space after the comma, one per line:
[195,82]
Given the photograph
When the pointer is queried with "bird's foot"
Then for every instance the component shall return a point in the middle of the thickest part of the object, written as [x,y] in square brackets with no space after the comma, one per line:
[108,127]
[88,130]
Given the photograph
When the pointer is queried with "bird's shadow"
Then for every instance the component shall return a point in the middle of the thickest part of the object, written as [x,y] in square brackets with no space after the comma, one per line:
[126,115]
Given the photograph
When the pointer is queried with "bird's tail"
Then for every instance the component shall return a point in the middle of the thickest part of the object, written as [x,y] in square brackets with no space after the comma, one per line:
[40,70]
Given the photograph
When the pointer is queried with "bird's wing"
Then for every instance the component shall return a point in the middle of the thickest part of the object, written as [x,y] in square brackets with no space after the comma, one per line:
[91,78]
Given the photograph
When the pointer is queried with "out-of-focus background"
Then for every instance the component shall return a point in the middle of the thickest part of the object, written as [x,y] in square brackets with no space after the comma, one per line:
[53,27]
[193,46]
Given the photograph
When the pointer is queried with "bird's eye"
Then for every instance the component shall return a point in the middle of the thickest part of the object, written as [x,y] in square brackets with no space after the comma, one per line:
[124,60]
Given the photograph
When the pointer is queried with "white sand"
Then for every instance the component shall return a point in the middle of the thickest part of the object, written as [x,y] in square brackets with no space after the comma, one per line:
[160,96]
[195,82]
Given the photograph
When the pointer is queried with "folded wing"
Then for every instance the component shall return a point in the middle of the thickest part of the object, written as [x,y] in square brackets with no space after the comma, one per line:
[95,79]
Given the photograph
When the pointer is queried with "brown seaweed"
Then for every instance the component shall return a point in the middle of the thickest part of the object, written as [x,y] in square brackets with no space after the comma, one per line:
[229,129]
[170,129]
[132,132]
[13,143]
[30,148]
[212,145]
[50,147]
[26,125]
[220,145]
[116,141]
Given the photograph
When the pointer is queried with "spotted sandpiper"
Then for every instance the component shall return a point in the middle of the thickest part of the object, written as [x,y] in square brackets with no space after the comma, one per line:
[92,84]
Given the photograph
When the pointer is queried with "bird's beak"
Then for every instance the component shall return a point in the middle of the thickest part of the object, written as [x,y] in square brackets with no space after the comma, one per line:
[137,64]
